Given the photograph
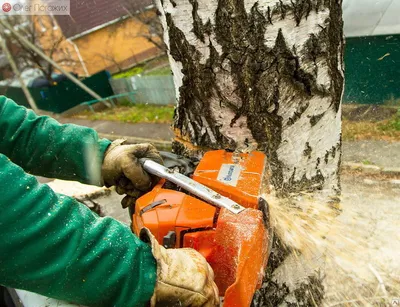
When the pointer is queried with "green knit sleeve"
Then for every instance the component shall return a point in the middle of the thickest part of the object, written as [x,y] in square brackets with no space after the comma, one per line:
[52,245]
[42,146]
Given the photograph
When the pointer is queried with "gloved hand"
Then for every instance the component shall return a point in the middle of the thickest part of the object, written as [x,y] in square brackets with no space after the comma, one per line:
[184,278]
[122,169]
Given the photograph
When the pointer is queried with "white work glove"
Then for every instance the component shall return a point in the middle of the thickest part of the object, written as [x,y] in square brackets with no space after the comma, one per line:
[121,168]
[184,278]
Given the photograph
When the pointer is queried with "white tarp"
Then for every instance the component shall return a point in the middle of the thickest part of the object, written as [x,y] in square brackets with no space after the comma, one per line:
[371,17]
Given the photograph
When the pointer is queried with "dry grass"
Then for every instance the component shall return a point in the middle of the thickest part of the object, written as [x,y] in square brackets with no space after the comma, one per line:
[383,130]
[371,122]
[138,113]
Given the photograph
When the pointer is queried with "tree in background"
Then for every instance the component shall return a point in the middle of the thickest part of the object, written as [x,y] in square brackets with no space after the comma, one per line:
[42,32]
[262,75]
[151,28]
[110,59]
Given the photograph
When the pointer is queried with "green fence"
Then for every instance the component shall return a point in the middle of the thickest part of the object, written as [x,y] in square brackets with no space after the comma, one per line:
[64,95]
[372,75]
[372,69]
[147,89]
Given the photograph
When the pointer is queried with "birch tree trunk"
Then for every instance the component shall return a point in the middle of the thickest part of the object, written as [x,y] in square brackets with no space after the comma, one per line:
[260,74]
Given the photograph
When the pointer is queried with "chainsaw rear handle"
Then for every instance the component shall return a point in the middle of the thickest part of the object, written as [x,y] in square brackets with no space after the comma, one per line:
[191,186]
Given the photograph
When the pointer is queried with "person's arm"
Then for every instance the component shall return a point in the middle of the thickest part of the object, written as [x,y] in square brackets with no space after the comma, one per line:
[42,146]
[52,245]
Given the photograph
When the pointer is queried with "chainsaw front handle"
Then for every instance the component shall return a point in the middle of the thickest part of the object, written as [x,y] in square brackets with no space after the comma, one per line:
[197,189]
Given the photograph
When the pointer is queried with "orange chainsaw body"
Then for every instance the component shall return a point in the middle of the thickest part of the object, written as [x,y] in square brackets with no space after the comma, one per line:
[235,245]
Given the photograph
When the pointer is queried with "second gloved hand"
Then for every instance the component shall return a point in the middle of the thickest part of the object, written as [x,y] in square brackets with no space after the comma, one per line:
[122,169]
[184,278]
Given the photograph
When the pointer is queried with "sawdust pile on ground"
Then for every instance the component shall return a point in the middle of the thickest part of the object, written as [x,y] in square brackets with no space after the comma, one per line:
[356,248]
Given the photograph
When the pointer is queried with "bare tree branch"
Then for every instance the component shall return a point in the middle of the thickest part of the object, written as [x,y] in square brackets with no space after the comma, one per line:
[151,28]
[42,33]
[110,57]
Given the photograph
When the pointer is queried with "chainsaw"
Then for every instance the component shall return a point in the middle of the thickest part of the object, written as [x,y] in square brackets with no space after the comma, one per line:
[214,207]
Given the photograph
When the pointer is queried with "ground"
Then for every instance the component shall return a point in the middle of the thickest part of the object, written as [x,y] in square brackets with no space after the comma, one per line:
[139,113]
[367,268]
[158,66]
[359,122]
[362,244]
[371,122]
[372,152]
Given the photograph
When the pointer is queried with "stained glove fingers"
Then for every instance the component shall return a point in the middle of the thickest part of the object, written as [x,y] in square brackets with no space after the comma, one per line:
[184,278]
[121,166]
[125,183]
[125,186]
[134,193]
[128,201]
[136,174]
[147,151]
[120,190]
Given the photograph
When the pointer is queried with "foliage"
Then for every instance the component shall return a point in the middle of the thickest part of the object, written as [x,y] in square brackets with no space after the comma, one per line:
[366,122]
[129,73]
[128,113]
[393,124]
[392,101]
[388,130]
[158,66]
[40,31]
[151,28]
[162,71]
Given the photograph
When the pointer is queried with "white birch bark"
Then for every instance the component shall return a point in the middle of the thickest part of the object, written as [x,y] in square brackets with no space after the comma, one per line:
[264,75]
[260,74]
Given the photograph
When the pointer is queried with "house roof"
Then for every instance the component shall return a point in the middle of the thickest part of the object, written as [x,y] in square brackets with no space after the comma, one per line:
[371,17]
[88,15]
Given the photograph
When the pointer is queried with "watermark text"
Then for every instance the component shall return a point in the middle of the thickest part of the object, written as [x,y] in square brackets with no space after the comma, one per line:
[35,7]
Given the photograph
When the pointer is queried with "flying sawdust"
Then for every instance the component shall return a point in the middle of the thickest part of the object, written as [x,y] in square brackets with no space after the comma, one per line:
[347,246]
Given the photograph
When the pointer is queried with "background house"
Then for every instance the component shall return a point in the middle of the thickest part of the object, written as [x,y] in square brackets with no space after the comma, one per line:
[103,35]
[372,54]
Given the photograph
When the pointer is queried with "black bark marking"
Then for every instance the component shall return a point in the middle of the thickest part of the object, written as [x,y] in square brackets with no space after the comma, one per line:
[310,293]
[272,294]
[269,16]
[334,39]
[198,28]
[301,9]
[208,27]
[307,150]
[258,72]
[315,183]
[315,119]
[298,113]
[282,9]
[332,152]
[339,149]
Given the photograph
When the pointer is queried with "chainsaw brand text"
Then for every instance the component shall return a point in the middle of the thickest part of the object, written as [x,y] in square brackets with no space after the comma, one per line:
[230,173]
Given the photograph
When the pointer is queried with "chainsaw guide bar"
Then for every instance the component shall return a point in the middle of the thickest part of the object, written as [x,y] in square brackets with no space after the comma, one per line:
[192,186]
